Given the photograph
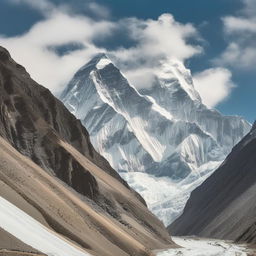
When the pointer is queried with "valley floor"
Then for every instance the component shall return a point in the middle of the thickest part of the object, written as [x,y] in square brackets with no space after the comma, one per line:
[193,246]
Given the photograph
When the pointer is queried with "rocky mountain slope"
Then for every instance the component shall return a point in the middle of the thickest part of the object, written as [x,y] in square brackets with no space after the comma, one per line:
[224,206]
[161,131]
[51,172]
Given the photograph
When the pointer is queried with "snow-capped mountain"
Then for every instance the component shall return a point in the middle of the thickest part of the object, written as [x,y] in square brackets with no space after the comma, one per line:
[162,136]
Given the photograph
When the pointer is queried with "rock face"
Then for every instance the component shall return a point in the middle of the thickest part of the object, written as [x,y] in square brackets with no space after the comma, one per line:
[49,169]
[161,131]
[224,206]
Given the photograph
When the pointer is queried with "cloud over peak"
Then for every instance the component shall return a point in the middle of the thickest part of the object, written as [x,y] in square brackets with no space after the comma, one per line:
[214,85]
[154,42]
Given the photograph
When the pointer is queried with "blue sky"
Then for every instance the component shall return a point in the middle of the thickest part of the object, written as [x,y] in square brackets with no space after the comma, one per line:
[219,45]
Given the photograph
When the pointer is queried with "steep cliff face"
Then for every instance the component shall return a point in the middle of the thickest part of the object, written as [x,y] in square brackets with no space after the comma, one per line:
[224,206]
[161,131]
[48,162]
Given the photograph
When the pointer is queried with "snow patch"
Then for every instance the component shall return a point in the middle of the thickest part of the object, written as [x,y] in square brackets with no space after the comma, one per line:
[103,63]
[33,233]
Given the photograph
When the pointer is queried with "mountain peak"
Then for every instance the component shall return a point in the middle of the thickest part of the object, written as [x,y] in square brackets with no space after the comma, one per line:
[100,60]
[254,126]
[103,62]
[173,71]
[4,54]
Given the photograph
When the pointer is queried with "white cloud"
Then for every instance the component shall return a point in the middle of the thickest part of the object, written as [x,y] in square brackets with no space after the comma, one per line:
[141,77]
[47,8]
[237,25]
[155,40]
[48,68]
[239,56]
[159,39]
[99,10]
[241,35]
[214,85]
[44,6]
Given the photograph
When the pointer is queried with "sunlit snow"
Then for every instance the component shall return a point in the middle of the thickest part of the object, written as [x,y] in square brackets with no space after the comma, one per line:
[31,232]
[103,63]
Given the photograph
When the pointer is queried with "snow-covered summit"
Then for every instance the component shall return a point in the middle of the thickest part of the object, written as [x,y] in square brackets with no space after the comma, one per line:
[172,72]
[164,130]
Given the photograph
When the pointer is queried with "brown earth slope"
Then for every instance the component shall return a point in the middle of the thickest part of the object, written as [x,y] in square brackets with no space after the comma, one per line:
[224,206]
[50,170]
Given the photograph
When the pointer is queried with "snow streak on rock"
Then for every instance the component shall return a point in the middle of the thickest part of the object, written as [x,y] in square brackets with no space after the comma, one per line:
[31,232]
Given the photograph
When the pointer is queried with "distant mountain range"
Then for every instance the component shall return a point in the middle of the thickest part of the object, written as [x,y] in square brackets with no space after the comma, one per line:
[162,140]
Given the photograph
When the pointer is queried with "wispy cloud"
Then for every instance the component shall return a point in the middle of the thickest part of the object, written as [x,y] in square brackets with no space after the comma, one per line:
[214,85]
[158,39]
[99,10]
[154,41]
[44,6]
[241,35]
[35,49]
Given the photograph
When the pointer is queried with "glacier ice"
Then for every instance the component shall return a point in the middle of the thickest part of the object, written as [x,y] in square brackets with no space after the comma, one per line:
[161,139]
[205,247]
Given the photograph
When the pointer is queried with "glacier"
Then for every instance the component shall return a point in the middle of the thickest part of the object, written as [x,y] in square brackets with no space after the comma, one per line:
[192,246]
[162,139]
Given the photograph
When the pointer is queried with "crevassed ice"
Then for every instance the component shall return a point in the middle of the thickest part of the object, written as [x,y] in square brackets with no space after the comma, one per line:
[167,198]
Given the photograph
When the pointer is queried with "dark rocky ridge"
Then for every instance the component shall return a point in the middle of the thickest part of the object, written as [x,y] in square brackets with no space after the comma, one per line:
[224,206]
